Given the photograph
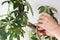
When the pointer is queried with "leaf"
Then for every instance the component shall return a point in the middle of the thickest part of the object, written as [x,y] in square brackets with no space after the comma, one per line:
[15,13]
[24,21]
[5,2]
[15,33]
[4,20]
[53,9]
[53,38]
[11,37]
[3,35]
[11,18]
[12,1]
[47,9]
[29,7]
[41,9]
[7,18]
[23,18]
[16,20]
[26,4]
[18,37]
[47,37]
[22,32]
[33,35]
[15,5]
[9,32]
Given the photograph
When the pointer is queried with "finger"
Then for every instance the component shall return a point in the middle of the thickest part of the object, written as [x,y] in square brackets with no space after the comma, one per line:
[39,33]
[45,14]
[43,18]
[42,31]
[40,28]
[41,25]
[49,34]
[40,22]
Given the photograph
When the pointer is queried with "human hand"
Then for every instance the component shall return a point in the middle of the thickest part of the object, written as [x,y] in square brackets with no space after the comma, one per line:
[47,24]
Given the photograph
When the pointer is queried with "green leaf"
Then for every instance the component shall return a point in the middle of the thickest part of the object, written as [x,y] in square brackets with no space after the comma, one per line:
[3,35]
[11,37]
[15,5]
[33,35]
[5,2]
[11,18]
[24,18]
[22,32]
[47,37]
[15,34]
[26,4]
[9,32]
[15,13]
[4,20]
[53,38]
[13,1]
[18,37]
[29,7]
[41,9]
[47,9]
[15,20]
[7,18]
[53,9]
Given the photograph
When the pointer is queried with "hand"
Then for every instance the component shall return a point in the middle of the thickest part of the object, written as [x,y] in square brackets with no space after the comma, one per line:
[48,24]
[42,31]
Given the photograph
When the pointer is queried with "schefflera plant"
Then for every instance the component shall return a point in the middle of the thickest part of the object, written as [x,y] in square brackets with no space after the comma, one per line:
[50,11]
[11,26]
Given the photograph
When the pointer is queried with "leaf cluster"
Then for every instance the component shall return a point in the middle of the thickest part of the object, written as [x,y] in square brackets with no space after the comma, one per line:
[17,19]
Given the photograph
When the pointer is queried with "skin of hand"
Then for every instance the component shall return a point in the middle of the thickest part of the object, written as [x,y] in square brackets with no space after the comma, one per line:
[48,25]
